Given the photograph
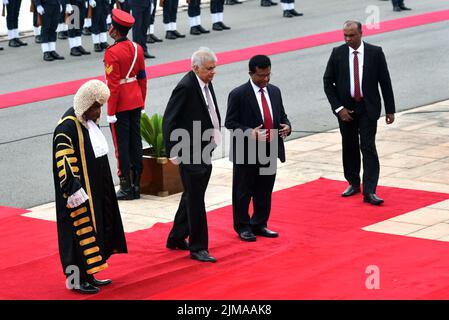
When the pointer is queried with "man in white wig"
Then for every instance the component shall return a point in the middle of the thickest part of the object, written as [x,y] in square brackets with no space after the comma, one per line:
[89,225]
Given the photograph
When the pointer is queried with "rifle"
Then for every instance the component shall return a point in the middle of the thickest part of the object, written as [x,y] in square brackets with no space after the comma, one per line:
[89,12]
[4,11]
[34,10]
[117,4]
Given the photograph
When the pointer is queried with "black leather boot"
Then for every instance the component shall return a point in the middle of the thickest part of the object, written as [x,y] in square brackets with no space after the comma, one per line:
[136,185]
[126,191]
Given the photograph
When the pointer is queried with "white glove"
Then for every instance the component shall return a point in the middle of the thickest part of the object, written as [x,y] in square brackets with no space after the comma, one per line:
[121,1]
[92,3]
[111,119]
[77,199]
[68,8]
[40,10]
[142,111]
[5,2]
[60,8]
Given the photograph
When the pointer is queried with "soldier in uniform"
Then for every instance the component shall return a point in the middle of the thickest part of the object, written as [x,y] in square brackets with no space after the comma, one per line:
[36,23]
[127,81]
[79,9]
[89,225]
[99,26]
[49,10]
[141,11]
[170,12]
[151,38]
[194,13]
[12,22]
[216,11]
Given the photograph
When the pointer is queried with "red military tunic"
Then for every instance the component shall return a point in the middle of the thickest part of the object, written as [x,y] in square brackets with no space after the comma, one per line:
[126,93]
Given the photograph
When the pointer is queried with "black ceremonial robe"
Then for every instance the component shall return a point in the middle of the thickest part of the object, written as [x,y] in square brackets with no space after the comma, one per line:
[89,234]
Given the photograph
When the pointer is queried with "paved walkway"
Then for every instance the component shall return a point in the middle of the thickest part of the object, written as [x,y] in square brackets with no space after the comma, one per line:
[413,151]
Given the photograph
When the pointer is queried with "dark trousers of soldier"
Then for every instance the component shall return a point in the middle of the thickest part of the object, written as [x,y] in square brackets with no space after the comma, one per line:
[194,9]
[287,1]
[12,18]
[153,13]
[76,24]
[35,14]
[99,15]
[128,142]
[142,17]
[50,22]
[170,10]
[398,3]
[216,6]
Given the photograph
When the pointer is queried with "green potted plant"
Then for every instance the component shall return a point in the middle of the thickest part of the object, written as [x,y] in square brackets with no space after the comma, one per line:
[159,177]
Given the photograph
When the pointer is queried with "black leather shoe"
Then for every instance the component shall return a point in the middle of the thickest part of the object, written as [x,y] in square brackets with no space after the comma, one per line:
[397,9]
[296,13]
[86,288]
[62,35]
[147,55]
[223,26]
[178,35]
[247,236]
[177,244]
[373,199]
[195,31]
[170,36]
[82,50]
[13,43]
[202,256]
[104,45]
[75,52]
[98,47]
[154,38]
[86,32]
[287,14]
[350,191]
[217,26]
[149,39]
[201,29]
[55,55]
[1,48]
[265,232]
[272,3]
[265,3]
[99,283]
[38,39]
[405,8]
[20,42]
[48,56]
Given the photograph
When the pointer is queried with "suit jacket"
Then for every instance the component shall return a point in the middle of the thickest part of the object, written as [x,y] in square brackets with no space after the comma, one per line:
[375,71]
[185,106]
[244,113]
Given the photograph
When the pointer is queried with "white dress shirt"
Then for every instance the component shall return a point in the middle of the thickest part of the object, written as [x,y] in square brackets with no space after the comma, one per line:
[259,99]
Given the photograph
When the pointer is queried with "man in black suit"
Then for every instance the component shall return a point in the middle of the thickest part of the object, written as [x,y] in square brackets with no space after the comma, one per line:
[191,130]
[258,122]
[353,74]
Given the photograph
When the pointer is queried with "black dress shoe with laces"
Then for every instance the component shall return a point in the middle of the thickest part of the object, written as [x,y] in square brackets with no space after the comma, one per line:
[75,52]
[82,50]
[48,56]
[98,47]
[38,39]
[201,29]
[99,283]
[147,55]
[104,45]
[217,26]
[195,31]
[178,35]
[86,288]
[247,236]
[202,256]
[13,43]
[287,14]
[223,26]
[265,3]
[20,42]
[154,38]
[272,3]
[397,9]
[296,13]
[170,36]
[350,191]
[174,244]
[405,8]
[373,199]
[265,232]
[55,55]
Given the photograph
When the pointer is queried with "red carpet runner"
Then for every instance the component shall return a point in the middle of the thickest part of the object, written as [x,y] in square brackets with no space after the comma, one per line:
[67,88]
[321,253]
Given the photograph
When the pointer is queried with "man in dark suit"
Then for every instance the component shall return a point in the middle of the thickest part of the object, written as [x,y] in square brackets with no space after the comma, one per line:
[192,110]
[353,74]
[258,121]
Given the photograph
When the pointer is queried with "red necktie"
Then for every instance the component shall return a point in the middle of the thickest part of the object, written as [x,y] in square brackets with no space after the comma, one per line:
[267,121]
[357,94]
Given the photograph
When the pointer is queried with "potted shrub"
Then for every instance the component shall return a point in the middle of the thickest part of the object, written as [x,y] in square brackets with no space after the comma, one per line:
[159,177]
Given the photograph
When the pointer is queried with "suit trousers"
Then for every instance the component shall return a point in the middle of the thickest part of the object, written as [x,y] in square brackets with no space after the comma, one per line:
[12,16]
[170,11]
[216,6]
[247,184]
[142,17]
[190,219]
[359,135]
[194,8]
[128,142]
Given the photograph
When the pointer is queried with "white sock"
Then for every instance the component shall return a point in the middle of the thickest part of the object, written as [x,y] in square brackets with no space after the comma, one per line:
[45,47]
[87,22]
[59,28]
[65,27]
[78,41]
[151,28]
[52,46]
[72,42]
[173,26]
[95,38]
[291,6]
[167,26]
[37,31]
[285,6]
[214,17]
[220,17]
[198,20]
[103,37]
[192,21]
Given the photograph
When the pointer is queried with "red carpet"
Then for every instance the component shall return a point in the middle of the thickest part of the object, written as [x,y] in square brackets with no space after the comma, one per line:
[321,253]
[67,88]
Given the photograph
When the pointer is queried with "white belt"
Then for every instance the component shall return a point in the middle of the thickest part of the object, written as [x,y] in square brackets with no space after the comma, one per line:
[127,80]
